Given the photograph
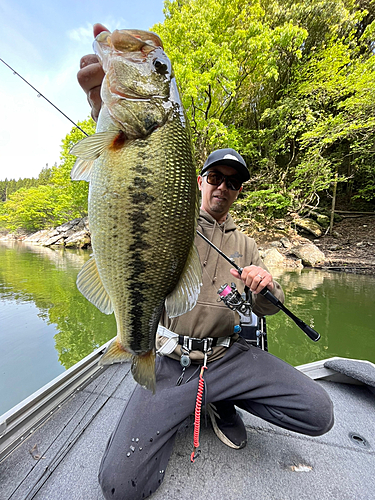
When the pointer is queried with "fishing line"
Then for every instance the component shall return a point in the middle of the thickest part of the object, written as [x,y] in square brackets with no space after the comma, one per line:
[44,97]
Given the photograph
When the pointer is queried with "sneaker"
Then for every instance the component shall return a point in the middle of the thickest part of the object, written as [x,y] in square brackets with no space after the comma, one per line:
[227,424]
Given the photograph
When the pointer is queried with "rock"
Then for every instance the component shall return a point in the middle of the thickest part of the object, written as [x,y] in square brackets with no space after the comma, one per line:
[57,243]
[310,226]
[36,237]
[276,244]
[334,248]
[54,240]
[285,242]
[80,239]
[280,224]
[309,254]
[72,234]
[273,258]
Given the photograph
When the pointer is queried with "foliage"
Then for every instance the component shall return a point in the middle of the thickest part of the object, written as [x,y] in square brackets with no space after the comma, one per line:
[290,84]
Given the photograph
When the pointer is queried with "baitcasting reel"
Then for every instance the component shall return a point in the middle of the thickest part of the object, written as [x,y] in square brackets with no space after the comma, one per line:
[234,300]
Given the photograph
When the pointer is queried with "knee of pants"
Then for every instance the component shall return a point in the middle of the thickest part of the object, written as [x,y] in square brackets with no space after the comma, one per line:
[131,479]
[322,416]
[120,486]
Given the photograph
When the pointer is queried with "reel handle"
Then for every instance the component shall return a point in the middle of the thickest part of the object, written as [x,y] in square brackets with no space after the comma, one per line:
[310,332]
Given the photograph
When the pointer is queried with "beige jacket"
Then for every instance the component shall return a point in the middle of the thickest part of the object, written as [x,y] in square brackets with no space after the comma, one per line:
[211,317]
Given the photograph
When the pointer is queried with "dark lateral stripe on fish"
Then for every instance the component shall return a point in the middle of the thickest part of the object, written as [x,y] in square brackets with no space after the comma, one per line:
[141,202]
[142,198]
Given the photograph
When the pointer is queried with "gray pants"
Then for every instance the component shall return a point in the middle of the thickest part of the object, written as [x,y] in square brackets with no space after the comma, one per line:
[254,380]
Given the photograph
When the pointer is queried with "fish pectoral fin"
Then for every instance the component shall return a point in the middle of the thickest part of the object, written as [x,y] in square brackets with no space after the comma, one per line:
[143,370]
[81,170]
[185,295]
[91,147]
[91,287]
[114,354]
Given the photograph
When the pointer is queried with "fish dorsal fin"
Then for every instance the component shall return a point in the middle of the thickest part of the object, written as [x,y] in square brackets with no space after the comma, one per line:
[185,295]
[91,287]
[91,147]
[81,170]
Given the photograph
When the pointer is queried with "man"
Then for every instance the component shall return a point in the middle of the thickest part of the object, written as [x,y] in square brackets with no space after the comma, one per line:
[138,451]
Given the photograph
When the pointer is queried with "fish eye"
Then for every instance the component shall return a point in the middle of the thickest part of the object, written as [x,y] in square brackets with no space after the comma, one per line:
[160,67]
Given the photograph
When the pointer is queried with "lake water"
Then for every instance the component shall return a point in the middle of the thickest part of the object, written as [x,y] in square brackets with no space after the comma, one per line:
[46,325]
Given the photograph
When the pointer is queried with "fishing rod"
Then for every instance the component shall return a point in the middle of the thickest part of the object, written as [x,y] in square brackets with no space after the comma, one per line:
[44,97]
[310,332]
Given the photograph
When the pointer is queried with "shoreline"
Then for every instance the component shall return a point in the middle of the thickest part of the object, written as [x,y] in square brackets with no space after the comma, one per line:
[351,247]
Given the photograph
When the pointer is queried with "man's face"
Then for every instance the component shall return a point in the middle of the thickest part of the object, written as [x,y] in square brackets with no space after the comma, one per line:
[217,200]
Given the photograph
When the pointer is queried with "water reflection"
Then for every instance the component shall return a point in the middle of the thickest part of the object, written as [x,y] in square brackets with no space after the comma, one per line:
[41,306]
[46,325]
[340,306]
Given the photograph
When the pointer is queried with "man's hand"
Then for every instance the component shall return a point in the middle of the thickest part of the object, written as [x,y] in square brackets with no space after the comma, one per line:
[91,75]
[256,278]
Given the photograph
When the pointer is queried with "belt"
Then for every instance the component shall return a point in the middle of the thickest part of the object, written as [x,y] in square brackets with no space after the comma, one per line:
[188,343]
[204,345]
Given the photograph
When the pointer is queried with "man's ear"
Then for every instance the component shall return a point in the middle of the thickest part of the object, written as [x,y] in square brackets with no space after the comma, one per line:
[199,181]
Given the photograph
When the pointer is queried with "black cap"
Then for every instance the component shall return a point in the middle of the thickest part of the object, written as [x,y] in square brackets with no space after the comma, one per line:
[228,157]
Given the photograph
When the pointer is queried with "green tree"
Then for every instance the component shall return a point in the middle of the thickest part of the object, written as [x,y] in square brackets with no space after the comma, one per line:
[287,83]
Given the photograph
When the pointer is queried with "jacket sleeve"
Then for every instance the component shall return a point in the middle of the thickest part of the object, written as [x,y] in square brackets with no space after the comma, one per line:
[262,306]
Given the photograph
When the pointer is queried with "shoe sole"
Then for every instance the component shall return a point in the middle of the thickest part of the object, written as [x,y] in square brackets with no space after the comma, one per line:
[223,438]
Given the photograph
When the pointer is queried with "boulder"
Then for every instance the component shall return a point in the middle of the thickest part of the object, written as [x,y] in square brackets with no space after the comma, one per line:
[80,239]
[310,226]
[273,258]
[309,254]
[72,234]
[285,242]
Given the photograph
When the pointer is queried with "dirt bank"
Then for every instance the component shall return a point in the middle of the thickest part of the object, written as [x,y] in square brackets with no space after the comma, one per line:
[350,249]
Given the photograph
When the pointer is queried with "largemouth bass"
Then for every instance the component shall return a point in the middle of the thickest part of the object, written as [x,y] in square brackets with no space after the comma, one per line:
[143,199]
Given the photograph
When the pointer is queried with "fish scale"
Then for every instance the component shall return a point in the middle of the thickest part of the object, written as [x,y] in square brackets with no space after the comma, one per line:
[143,201]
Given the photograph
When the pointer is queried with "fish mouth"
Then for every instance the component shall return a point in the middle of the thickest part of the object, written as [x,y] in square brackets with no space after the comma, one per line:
[130,40]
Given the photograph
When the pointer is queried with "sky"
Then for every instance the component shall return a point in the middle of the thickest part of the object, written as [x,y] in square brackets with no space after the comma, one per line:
[43,42]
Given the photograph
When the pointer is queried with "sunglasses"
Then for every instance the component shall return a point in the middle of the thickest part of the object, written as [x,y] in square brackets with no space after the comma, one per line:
[216,178]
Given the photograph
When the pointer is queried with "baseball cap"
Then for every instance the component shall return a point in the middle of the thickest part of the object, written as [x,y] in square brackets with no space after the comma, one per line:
[230,158]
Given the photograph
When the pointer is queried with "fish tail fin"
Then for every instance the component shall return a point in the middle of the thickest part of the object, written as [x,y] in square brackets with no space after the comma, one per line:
[143,370]
[114,354]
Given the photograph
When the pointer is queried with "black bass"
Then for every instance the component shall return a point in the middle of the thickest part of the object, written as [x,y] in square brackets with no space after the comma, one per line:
[143,199]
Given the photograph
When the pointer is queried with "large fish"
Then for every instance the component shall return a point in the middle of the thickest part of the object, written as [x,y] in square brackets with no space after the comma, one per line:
[142,199]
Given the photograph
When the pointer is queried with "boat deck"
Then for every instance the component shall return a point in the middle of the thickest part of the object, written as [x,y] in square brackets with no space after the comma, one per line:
[60,458]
